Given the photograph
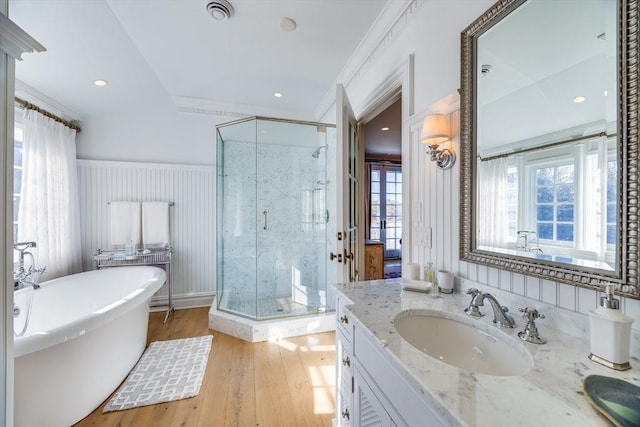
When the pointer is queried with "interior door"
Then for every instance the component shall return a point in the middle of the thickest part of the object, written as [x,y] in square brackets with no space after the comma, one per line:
[347,188]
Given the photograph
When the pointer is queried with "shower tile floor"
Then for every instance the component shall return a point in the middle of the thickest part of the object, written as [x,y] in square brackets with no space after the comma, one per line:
[271,307]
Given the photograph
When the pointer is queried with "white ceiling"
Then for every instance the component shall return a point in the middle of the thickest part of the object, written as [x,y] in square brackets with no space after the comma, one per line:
[544,55]
[151,51]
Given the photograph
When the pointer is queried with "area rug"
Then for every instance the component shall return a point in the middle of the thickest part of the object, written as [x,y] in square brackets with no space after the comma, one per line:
[168,370]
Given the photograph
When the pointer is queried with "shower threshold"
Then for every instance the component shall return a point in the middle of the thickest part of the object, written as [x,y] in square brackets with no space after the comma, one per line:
[274,324]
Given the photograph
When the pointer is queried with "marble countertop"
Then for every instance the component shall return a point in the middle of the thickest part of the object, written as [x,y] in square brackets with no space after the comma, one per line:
[548,395]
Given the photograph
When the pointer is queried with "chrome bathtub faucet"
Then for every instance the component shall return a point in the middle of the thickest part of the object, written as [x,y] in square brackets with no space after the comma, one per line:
[27,277]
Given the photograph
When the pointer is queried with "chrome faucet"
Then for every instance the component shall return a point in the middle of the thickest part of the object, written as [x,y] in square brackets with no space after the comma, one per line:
[500,316]
[22,247]
[26,277]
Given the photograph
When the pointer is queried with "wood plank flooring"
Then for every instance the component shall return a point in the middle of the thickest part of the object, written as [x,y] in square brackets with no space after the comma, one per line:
[290,382]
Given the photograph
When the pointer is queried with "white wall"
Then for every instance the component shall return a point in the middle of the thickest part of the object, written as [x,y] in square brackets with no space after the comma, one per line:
[159,134]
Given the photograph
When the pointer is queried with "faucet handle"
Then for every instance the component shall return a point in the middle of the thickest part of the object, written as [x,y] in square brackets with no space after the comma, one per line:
[531,314]
[530,333]
[472,309]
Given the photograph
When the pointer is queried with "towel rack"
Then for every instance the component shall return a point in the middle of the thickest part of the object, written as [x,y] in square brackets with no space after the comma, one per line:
[160,257]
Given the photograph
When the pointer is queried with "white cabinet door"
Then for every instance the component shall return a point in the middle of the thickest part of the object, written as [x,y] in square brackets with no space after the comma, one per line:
[368,411]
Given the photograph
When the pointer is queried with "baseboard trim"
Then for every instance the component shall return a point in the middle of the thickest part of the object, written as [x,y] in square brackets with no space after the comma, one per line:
[181,302]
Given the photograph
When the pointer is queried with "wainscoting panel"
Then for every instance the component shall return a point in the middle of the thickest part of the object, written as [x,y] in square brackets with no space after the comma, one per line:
[191,188]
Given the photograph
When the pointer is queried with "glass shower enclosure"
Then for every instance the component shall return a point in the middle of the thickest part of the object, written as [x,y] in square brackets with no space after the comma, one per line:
[272,218]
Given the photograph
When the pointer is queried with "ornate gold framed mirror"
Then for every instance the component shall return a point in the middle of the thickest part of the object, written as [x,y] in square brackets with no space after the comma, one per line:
[549,141]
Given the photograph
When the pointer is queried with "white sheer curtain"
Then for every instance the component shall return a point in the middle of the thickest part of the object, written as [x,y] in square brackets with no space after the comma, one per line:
[493,227]
[49,211]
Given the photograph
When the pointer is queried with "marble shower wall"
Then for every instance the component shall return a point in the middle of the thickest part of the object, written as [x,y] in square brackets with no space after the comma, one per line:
[274,220]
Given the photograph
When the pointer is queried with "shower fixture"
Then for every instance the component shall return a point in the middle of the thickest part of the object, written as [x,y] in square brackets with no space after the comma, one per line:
[316,154]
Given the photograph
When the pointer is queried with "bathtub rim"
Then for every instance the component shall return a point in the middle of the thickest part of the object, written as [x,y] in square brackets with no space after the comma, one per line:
[34,341]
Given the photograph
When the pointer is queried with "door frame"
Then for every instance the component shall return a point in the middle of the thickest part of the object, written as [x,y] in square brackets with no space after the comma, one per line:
[398,84]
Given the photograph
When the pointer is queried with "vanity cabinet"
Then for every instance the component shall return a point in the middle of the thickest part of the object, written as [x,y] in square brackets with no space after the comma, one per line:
[371,391]
[344,367]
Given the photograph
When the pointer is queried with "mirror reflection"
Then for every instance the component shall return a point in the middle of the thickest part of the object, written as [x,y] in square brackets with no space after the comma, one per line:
[546,114]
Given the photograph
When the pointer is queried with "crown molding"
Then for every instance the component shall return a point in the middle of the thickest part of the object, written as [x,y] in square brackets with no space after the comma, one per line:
[393,19]
[35,97]
[14,41]
[191,105]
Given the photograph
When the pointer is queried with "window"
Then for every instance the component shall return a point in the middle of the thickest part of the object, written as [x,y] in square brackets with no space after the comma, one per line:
[554,192]
[17,169]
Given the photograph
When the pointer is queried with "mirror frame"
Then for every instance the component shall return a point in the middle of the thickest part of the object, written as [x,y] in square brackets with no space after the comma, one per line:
[626,270]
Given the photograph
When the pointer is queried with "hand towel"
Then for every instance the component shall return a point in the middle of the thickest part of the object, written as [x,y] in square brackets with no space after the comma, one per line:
[155,224]
[124,223]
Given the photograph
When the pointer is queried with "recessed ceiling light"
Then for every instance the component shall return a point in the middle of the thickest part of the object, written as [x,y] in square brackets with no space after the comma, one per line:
[278,94]
[606,93]
[385,129]
[100,82]
[579,99]
[288,25]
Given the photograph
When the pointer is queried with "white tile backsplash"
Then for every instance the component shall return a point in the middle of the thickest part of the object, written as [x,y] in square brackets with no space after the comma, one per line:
[505,280]
[632,309]
[483,275]
[549,292]
[567,296]
[494,277]
[517,284]
[587,300]
[532,287]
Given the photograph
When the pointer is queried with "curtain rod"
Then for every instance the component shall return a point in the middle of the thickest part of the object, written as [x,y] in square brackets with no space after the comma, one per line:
[30,106]
[550,145]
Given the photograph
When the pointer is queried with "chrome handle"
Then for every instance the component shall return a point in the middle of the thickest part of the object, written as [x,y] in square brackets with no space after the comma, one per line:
[348,257]
[344,319]
[346,361]
[264,212]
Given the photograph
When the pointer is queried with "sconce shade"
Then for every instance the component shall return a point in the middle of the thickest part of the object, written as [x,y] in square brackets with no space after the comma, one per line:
[434,130]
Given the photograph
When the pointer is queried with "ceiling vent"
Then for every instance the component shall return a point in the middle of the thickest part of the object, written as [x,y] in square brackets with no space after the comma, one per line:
[220,9]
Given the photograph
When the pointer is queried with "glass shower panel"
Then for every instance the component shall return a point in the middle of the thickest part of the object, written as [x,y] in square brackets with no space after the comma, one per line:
[273,218]
[292,211]
[237,222]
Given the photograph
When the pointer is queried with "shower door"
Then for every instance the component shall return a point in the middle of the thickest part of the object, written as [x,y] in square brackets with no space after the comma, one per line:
[291,190]
[272,218]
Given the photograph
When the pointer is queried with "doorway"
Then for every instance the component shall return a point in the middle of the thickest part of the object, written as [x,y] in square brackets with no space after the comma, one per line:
[383,188]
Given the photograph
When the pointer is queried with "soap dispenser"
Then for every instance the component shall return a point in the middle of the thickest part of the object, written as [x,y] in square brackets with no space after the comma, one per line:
[610,333]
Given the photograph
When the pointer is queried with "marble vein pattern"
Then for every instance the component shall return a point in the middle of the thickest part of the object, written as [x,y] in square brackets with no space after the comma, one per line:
[550,394]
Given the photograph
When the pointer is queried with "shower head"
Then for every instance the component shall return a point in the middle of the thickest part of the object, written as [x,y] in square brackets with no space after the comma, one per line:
[316,154]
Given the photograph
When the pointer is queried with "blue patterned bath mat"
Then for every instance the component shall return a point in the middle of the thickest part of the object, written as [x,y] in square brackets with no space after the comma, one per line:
[168,370]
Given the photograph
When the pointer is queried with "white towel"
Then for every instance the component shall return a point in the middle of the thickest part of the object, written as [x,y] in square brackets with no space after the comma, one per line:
[124,223]
[155,224]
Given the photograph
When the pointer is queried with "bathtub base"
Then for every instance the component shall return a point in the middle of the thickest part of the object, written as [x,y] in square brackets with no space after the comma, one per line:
[264,330]
[61,385]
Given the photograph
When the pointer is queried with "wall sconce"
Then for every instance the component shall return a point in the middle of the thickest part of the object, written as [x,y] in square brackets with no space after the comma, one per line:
[435,131]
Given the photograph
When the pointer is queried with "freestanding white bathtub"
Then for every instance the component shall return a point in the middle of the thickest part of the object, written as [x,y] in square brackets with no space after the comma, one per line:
[85,334]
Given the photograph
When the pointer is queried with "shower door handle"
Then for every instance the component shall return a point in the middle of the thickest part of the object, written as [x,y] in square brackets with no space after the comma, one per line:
[264,213]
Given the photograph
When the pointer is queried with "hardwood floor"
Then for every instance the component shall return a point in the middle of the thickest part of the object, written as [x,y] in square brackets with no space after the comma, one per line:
[285,383]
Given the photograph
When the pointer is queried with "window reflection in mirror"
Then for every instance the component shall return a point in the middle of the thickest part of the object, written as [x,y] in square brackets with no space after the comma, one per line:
[546,128]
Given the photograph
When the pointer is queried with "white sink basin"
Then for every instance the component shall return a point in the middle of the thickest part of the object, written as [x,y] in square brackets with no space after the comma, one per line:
[464,343]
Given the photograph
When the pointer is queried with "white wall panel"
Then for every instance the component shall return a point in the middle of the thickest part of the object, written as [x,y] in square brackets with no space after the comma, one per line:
[191,188]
